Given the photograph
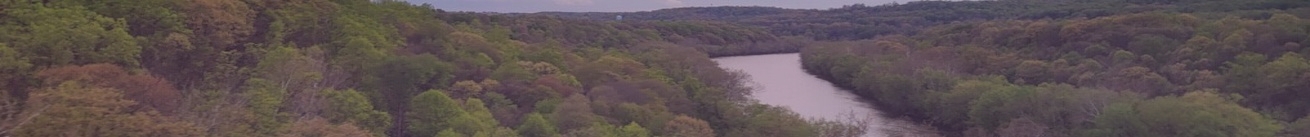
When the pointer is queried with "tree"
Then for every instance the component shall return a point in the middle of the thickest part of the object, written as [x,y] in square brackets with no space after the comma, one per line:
[1022,127]
[300,75]
[320,127]
[953,106]
[12,67]
[69,36]
[219,36]
[499,132]
[633,130]
[360,43]
[397,80]
[478,110]
[1236,41]
[535,125]
[152,92]
[222,24]
[393,84]
[684,126]
[450,133]
[350,106]
[596,130]
[1244,75]
[1140,79]
[764,120]
[266,103]
[1033,71]
[1285,81]
[1300,127]
[466,88]
[431,112]
[75,109]
[573,113]
[1196,114]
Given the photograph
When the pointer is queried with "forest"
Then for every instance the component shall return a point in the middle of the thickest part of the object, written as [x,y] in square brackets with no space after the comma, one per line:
[1142,74]
[349,68]
[352,68]
[1157,68]
[859,21]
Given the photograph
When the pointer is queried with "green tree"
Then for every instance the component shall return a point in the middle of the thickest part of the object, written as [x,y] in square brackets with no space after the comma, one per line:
[392,85]
[1195,114]
[535,125]
[350,106]
[360,43]
[74,35]
[449,133]
[266,102]
[433,111]
[763,120]
[633,130]
[483,120]
[1284,82]
[596,130]
[12,66]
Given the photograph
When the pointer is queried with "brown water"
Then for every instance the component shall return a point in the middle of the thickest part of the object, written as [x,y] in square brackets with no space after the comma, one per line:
[780,81]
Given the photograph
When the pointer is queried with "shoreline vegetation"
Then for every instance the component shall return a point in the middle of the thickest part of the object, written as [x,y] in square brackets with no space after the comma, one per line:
[392,68]
[1143,74]
[1056,68]
[372,68]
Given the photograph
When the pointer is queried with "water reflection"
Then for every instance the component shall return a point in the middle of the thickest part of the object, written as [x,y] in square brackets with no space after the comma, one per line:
[779,80]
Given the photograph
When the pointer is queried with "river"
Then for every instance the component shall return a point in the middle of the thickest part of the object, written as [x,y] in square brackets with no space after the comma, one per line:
[779,80]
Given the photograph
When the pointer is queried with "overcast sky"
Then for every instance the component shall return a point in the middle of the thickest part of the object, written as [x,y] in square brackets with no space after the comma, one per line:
[627,5]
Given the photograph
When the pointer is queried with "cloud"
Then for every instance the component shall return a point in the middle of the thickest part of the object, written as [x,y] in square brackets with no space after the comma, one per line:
[574,2]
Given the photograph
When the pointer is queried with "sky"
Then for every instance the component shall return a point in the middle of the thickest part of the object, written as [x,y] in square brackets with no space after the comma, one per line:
[530,6]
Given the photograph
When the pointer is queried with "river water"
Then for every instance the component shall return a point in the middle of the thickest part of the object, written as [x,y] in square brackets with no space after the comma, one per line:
[779,80]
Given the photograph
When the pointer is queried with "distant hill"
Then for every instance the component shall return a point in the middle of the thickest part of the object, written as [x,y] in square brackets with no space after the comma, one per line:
[863,22]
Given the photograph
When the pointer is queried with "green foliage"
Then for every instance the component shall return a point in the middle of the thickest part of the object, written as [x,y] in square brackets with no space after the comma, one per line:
[535,125]
[508,71]
[433,111]
[360,43]
[1199,113]
[53,36]
[247,65]
[350,106]
[12,65]
[449,133]
[633,130]
[764,120]
[266,102]
[479,111]
[1062,88]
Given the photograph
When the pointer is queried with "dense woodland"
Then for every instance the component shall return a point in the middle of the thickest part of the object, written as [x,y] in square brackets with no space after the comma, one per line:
[1194,68]
[349,68]
[1057,67]
[855,22]
[1147,74]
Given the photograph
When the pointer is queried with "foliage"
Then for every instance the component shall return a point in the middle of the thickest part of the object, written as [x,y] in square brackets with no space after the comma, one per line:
[1057,77]
[535,125]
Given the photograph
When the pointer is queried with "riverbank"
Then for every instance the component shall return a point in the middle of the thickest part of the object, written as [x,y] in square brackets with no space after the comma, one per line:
[779,80]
